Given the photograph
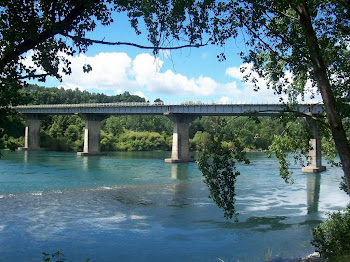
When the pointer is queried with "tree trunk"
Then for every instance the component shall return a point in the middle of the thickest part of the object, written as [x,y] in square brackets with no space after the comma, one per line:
[324,87]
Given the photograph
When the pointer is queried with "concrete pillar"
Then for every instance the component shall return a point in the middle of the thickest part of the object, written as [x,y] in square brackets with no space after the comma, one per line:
[32,132]
[181,144]
[315,153]
[92,135]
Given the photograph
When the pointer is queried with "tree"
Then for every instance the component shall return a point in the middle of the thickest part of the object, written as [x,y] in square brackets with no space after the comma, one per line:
[294,45]
[158,100]
[217,164]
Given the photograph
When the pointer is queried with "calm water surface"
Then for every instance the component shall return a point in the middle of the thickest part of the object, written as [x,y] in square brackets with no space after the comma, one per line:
[135,207]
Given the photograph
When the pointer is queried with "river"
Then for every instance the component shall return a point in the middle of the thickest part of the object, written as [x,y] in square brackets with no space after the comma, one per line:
[131,206]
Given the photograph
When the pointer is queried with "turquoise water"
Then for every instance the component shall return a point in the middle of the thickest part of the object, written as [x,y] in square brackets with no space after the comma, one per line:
[134,207]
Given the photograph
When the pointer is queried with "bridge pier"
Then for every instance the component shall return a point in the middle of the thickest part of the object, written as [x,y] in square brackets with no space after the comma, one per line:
[92,135]
[181,143]
[315,153]
[32,132]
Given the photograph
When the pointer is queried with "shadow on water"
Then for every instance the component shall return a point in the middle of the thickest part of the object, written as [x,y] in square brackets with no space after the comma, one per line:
[258,224]
[313,185]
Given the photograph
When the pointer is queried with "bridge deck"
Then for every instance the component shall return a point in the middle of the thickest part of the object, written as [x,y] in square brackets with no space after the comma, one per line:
[160,109]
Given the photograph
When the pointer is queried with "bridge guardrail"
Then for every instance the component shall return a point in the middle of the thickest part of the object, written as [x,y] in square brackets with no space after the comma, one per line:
[129,104]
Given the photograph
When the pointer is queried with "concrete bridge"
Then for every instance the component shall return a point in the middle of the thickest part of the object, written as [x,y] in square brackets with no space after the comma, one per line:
[181,115]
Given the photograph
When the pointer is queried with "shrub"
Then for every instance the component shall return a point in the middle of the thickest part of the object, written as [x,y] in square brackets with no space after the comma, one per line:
[141,141]
[332,238]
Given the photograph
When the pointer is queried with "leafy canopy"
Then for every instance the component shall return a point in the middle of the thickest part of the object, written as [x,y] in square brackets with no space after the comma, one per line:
[276,46]
[297,45]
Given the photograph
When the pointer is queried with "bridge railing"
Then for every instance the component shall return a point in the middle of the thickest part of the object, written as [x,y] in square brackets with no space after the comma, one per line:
[136,104]
[121,104]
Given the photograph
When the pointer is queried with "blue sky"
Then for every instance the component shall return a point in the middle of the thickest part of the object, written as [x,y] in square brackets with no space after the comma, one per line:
[190,74]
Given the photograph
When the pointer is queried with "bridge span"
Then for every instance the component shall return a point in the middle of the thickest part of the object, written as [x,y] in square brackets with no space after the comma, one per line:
[196,109]
[180,114]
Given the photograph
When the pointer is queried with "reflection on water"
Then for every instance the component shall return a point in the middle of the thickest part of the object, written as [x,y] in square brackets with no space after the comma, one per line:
[86,162]
[135,207]
[25,156]
[313,192]
[180,171]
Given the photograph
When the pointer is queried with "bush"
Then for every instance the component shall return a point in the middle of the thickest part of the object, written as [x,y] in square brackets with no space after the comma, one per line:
[141,141]
[332,238]
[11,143]
[199,140]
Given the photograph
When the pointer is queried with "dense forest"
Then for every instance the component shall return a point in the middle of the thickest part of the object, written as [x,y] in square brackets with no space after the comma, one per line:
[65,133]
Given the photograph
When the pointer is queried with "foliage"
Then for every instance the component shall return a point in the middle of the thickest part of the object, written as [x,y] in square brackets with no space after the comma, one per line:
[38,95]
[199,140]
[108,141]
[296,46]
[293,140]
[216,162]
[11,132]
[331,238]
[255,133]
[32,26]
[141,141]
[57,256]
[10,142]
[277,45]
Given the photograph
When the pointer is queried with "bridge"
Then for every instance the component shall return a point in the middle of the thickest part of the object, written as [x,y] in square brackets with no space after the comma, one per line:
[181,115]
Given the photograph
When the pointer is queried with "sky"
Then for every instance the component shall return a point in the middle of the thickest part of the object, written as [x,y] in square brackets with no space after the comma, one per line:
[189,74]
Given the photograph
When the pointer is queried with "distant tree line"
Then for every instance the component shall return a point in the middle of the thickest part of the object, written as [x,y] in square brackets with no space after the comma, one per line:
[37,95]
[130,133]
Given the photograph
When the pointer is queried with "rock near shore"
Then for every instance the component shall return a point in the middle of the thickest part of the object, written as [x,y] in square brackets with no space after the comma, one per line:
[315,257]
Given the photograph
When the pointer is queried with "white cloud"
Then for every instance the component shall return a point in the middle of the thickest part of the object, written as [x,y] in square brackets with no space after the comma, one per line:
[117,72]
[224,100]
[114,73]
[245,92]
[147,72]
[109,72]
[234,72]
[264,94]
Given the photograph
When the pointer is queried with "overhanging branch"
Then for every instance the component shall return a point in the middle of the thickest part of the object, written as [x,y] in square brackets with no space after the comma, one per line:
[32,76]
[76,38]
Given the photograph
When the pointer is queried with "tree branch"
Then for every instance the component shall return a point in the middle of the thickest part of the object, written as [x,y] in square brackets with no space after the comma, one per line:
[58,28]
[76,38]
[33,76]
[257,36]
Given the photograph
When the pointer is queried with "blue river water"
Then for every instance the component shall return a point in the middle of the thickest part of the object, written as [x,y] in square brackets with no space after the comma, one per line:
[131,206]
